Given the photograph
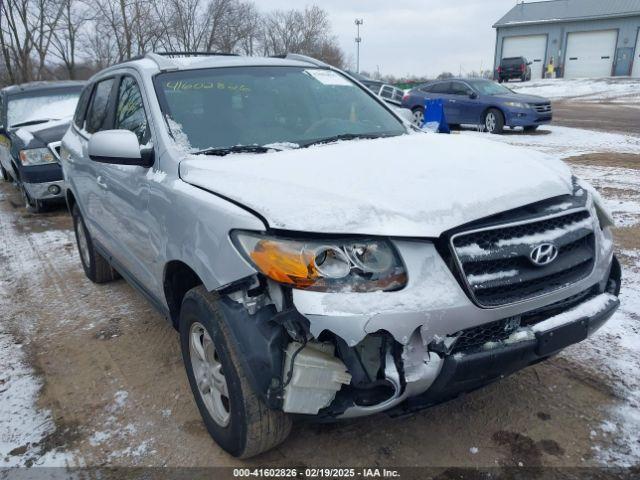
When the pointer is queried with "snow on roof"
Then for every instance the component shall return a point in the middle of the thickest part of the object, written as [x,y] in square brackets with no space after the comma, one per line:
[567,10]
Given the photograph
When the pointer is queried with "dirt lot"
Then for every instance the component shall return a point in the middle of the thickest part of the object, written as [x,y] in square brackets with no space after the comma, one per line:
[114,385]
[603,116]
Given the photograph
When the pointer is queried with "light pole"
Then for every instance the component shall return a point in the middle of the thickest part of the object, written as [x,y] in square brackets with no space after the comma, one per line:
[359,22]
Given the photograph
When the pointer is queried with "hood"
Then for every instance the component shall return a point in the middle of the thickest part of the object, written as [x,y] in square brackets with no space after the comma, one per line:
[416,185]
[520,97]
[42,134]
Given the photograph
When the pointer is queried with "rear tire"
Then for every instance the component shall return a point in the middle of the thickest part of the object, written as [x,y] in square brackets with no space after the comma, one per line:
[242,425]
[95,266]
[418,116]
[494,121]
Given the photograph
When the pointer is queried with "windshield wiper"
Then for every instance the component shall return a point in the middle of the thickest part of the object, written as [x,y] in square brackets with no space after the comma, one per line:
[345,136]
[32,122]
[222,151]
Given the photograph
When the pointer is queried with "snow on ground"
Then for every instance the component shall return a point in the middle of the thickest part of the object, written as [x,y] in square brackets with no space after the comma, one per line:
[23,426]
[567,142]
[582,89]
[615,352]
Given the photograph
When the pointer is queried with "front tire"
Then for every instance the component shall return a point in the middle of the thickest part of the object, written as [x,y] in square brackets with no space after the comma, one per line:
[494,121]
[237,419]
[95,266]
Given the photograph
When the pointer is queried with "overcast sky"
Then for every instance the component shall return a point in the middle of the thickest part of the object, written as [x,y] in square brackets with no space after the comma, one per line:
[420,37]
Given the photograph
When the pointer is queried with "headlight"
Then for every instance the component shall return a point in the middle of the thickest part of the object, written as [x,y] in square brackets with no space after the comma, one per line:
[36,156]
[348,265]
[517,104]
[602,211]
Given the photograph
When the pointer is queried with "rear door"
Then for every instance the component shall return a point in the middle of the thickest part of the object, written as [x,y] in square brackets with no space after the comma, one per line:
[86,181]
[125,188]
[442,91]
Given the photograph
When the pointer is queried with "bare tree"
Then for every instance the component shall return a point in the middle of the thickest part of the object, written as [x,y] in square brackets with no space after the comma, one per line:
[65,41]
[54,38]
[301,31]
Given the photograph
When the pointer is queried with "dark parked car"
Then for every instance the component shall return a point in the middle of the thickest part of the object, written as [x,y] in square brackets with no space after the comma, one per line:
[514,67]
[33,119]
[480,102]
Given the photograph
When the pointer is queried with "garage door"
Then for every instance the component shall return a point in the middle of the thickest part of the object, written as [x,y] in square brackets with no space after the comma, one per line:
[636,59]
[531,47]
[590,54]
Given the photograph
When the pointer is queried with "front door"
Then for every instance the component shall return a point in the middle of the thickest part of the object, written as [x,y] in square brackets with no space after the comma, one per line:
[125,194]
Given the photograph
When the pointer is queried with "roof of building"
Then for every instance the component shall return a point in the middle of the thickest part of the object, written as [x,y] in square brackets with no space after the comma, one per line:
[568,10]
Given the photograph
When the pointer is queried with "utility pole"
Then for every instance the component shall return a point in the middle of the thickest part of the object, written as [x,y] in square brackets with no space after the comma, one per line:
[359,22]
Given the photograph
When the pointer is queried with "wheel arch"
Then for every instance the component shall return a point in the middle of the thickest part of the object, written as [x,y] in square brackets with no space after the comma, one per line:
[493,107]
[70,199]
[178,279]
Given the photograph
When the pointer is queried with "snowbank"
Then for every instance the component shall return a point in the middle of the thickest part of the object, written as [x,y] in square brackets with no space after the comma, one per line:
[582,88]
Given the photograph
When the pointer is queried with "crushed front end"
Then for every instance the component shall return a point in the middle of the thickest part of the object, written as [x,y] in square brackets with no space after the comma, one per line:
[480,302]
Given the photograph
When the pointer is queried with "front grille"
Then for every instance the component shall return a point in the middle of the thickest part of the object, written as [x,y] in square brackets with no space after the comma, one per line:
[500,330]
[495,263]
[542,107]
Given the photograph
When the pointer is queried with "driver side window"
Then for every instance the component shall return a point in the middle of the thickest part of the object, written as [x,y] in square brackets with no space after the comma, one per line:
[130,114]
[458,88]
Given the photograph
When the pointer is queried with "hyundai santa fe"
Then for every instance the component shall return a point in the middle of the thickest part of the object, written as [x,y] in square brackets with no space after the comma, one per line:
[320,257]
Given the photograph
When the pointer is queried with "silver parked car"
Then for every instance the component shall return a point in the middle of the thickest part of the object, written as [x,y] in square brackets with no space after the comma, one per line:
[319,256]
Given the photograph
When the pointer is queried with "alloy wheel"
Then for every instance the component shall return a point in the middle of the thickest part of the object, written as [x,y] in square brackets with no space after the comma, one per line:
[490,122]
[418,117]
[207,370]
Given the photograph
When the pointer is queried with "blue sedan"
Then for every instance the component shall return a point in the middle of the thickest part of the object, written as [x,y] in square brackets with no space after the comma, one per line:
[480,102]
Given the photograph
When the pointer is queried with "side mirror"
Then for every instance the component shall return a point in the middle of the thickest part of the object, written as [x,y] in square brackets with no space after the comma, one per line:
[117,147]
[473,95]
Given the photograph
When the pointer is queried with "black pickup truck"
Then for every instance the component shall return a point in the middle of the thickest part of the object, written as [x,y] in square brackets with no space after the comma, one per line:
[33,119]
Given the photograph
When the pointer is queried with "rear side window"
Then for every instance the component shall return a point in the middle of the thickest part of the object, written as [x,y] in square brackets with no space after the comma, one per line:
[81,108]
[130,113]
[98,111]
[440,87]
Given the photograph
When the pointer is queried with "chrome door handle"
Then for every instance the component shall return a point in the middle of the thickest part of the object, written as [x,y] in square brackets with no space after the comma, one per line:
[101,183]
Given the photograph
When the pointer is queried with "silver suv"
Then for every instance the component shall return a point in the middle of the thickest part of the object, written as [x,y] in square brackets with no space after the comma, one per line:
[318,255]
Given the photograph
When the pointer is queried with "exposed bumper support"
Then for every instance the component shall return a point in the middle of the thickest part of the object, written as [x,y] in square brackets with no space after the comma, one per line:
[466,372]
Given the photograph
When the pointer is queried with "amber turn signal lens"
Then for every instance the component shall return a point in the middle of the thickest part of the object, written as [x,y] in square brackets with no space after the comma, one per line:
[288,266]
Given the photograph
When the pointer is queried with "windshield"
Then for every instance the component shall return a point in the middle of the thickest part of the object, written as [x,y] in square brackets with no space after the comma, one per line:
[286,106]
[53,105]
[486,87]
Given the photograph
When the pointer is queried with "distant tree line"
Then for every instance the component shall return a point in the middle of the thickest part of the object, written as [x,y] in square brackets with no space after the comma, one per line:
[60,39]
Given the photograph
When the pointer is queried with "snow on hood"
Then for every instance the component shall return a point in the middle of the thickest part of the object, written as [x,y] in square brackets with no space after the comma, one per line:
[414,185]
[41,134]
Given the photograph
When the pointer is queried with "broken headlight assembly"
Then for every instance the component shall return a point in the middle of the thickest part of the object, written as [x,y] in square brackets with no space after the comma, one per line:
[346,265]
[603,213]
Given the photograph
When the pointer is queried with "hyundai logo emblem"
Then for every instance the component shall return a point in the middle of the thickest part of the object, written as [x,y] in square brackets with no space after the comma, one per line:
[543,254]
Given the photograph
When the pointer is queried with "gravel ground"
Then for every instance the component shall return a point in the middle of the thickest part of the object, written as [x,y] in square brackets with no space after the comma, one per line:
[92,376]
